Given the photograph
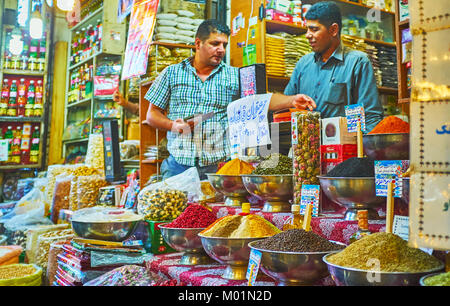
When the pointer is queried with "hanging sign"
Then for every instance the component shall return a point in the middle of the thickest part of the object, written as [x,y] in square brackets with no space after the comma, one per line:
[253,266]
[140,33]
[389,171]
[355,113]
[310,195]
[247,123]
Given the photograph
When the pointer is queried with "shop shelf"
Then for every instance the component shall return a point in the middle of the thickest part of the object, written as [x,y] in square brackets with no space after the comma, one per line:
[165,44]
[19,167]
[24,72]
[404,100]
[88,59]
[387,90]
[70,141]
[79,103]
[404,23]
[366,6]
[87,19]
[20,119]
[152,161]
[273,26]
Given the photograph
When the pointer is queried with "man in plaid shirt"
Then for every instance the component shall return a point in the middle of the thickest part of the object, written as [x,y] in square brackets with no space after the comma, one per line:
[201,84]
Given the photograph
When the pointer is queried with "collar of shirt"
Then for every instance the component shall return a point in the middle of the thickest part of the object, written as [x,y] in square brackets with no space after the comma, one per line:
[188,65]
[338,54]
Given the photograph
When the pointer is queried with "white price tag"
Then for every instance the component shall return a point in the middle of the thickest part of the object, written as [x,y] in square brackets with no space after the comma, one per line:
[4,143]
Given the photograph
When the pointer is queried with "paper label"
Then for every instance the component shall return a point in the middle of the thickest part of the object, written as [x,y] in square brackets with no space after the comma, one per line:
[253,266]
[400,227]
[4,143]
[355,113]
[310,195]
[389,171]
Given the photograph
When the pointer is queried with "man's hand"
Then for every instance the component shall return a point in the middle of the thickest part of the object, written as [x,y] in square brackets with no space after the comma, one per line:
[182,127]
[119,99]
[301,101]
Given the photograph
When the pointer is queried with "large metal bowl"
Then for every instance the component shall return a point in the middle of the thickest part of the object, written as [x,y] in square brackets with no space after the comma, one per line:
[423,278]
[233,252]
[353,193]
[293,268]
[386,146]
[276,190]
[230,186]
[344,276]
[186,240]
[102,228]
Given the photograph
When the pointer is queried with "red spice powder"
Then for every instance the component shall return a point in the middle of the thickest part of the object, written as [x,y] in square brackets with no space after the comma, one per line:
[391,124]
[194,216]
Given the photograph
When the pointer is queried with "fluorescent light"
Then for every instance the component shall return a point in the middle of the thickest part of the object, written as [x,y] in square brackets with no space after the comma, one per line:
[36,25]
[65,5]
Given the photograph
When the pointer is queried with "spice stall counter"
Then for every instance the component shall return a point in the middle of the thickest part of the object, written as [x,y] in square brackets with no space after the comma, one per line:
[330,225]
[167,266]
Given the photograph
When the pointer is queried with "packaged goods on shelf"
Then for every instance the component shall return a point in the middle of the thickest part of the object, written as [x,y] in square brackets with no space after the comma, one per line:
[33,235]
[44,242]
[87,190]
[129,149]
[95,153]
[60,196]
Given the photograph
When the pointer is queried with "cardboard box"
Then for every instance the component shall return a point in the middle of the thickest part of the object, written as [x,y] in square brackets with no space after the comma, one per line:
[155,243]
[272,14]
[332,155]
[283,6]
[334,132]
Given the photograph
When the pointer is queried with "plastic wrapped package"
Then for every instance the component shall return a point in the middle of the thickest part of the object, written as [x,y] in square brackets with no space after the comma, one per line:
[44,242]
[128,275]
[129,149]
[95,153]
[161,205]
[20,275]
[60,196]
[9,254]
[306,150]
[181,52]
[56,248]
[23,187]
[52,172]
[73,203]
[88,188]
[32,238]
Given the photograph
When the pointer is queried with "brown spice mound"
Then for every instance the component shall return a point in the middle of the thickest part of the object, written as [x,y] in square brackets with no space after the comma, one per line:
[297,240]
[390,250]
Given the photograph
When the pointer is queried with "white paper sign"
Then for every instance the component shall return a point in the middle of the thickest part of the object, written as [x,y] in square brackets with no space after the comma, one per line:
[400,227]
[247,122]
[4,149]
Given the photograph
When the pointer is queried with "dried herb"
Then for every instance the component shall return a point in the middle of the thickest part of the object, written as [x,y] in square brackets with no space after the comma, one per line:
[274,164]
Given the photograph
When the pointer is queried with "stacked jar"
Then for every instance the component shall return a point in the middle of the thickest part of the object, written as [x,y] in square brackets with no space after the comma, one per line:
[306,150]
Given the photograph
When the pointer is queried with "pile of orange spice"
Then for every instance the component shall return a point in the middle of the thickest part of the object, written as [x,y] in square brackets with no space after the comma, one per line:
[391,124]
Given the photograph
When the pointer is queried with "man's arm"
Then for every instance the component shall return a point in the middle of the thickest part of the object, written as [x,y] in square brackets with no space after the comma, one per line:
[157,118]
[299,101]
[131,107]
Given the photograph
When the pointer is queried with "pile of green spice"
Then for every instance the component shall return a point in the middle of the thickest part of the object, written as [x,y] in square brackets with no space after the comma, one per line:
[274,164]
[442,279]
[297,240]
[390,250]
[354,167]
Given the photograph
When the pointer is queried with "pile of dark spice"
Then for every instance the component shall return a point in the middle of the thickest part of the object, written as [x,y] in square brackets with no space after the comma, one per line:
[297,240]
[194,216]
[354,167]
[274,164]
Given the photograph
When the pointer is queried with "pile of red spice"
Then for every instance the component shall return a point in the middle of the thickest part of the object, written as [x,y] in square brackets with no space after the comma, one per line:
[194,216]
[389,125]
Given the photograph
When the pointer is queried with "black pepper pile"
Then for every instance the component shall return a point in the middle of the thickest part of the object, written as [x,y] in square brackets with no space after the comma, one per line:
[354,167]
[297,240]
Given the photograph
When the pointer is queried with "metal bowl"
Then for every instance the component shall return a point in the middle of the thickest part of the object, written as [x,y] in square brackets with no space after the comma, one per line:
[353,193]
[100,227]
[294,268]
[344,276]
[230,186]
[276,190]
[186,240]
[423,278]
[233,252]
[386,146]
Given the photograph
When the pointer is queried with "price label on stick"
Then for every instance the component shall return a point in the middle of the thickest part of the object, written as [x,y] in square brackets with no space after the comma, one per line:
[354,114]
[253,266]
[310,195]
[389,171]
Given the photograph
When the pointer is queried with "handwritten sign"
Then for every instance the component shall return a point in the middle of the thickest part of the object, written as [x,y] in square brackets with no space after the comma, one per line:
[247,122]
[253,266]
[355,113]
[389,171]
[310,195]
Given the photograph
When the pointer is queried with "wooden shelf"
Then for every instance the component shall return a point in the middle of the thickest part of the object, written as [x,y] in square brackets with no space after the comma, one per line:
[20,119]
[90,58]
[366,6]
[404,23]
[165,44]
[387,90]
[24,72]
[403,100]
[152,161]
[20,167]
[71,141]
[79,103]
[273,26]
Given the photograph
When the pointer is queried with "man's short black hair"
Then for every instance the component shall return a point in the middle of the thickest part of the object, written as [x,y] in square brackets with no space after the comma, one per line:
[326,12]
[211,26]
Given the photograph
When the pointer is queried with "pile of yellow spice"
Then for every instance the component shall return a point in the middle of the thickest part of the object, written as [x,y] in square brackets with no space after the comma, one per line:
[236,167]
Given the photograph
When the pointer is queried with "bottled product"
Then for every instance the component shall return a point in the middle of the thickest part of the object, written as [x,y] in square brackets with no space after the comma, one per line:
[5,97]
[294,221]
[363,226]
[25,150]
[34,151]
[21,98]
[42,46]
[15,148]
[10,136]
[245,209]
[12,102]
[38,101]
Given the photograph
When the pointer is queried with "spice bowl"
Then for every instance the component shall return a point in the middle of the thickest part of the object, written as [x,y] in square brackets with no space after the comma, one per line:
[294,268]
[354,193]
[231,186]
[345,276]
[186,240]
[276,190]
[393,146]
[423,279]
[233,252]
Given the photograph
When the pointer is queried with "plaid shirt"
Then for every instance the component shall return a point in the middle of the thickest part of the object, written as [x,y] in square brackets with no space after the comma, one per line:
[182,93]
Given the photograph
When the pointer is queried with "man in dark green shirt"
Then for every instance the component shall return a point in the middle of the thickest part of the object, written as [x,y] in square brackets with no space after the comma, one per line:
[333,75]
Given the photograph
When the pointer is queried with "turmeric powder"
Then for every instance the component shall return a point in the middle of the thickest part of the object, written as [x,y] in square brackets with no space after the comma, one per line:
[236,167]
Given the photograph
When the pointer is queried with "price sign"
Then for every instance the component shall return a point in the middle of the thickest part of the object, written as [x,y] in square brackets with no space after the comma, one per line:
[389,171]
[247,122]
[253,266]
[310,195]
[354,114]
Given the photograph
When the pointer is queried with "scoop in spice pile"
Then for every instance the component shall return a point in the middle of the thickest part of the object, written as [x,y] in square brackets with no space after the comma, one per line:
[297,240]
[236,167]
[274,164]
[354,167]
[194,216]
[392,252]
[237,226]
[391,125]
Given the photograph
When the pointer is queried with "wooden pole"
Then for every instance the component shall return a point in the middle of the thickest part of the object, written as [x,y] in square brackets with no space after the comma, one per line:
[359,140]
[390,207]
[307,218]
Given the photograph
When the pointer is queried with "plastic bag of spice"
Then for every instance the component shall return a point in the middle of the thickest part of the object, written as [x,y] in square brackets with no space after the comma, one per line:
[60,196]
[95,153]
[73,204]
[44,242]
[161,205]
[306,150]
[88,188]
[56,248]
